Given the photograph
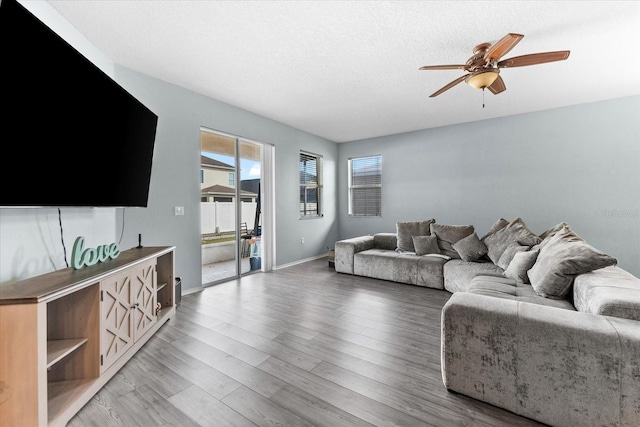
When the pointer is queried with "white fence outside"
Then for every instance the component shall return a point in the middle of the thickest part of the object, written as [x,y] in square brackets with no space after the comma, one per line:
[220,216]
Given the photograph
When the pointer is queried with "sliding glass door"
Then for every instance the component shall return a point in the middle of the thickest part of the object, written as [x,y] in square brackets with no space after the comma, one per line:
[231,212]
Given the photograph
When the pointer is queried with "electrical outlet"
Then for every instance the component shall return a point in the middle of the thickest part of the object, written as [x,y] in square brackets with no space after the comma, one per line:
[302,240]
[179,210]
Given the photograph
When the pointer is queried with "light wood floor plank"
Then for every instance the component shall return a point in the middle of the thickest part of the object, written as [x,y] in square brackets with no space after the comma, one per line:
[304,346]
[236,369]
[314,410]
[262,411]
[218,306]
[415,406]
[149,408]
[191,369]
[354,403]
[148,371]
[104,410]
[240,351]
[229,318]
[273,348]
[206,410]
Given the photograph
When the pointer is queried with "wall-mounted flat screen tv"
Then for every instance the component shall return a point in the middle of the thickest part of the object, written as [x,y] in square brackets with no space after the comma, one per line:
[70,135]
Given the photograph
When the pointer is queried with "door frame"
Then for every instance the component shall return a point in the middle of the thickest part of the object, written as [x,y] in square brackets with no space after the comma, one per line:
[267,197]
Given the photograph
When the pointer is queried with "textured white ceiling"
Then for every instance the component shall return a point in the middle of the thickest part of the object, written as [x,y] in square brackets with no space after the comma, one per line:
[348,70]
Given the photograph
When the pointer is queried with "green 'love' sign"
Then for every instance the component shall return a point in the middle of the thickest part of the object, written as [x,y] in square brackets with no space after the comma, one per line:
[81,257]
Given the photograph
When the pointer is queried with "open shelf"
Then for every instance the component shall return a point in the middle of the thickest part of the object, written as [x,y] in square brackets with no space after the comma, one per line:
[59,349]
[162,285]
[63,394]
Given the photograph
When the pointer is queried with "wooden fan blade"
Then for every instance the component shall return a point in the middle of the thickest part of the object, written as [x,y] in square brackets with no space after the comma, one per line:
[449,86]
[443,67]
[502,46]
[497,86]
[534,58]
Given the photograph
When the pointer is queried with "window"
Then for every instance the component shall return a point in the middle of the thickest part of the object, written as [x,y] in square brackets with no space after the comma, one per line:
[232,179]
[365,186]
[310,185]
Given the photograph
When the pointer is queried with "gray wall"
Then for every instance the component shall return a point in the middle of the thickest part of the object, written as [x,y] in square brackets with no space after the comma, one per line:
[175,179]
[579,164]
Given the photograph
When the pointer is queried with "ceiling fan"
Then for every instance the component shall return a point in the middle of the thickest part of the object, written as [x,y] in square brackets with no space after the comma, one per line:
[483,68]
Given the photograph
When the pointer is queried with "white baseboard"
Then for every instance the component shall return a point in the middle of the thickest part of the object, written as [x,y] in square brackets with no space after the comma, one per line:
[301,261]
[192,291]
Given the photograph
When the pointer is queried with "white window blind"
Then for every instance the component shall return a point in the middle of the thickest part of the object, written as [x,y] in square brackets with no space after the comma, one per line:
[365,186]
[310,185]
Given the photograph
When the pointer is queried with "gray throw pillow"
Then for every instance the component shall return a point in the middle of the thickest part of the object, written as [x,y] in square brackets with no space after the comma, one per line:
[553,230]
[450,234]
[426,245]
[561,259]
[509,253]
[406,230]
[499,225]
[549,234]
[515,232]
[470,248]
[520,264]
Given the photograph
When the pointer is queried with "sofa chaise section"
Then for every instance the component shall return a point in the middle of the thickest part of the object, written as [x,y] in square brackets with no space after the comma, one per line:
[555,365]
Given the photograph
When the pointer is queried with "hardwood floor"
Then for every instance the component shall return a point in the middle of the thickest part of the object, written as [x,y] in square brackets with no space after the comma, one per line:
[301,346]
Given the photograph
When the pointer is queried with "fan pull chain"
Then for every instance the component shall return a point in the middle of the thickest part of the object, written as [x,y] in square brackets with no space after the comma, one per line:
[482,97]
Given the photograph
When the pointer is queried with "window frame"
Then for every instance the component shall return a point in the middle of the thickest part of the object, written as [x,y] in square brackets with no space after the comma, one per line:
[352,187]
[305,186]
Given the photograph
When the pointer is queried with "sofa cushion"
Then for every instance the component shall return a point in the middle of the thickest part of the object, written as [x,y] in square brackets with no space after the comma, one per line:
[505,288]
[609,291]
[405,268]
[406,230]
[376,263]
[515,232]
[458,273]
[430,272]
[426,245]
[520,264]
[450,234]
[561,259]
[470,248]
[385,241]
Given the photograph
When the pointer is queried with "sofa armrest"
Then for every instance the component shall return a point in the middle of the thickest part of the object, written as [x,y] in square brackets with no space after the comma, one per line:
[557,366]
[346,249]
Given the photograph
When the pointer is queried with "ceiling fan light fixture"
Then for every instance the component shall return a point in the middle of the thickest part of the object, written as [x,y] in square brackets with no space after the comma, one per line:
[483,79]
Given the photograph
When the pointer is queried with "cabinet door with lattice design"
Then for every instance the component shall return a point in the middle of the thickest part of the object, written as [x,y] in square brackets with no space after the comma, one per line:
[117,330]
[143,296]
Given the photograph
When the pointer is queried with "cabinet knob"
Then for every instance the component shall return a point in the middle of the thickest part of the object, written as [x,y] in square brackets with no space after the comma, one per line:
[136,305]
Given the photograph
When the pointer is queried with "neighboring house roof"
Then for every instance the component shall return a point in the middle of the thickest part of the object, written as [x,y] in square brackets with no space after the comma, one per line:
[308,177]
[206,161]
[221,190]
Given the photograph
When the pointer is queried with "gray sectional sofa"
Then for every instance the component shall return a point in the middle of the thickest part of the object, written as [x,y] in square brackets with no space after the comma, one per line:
[545,326]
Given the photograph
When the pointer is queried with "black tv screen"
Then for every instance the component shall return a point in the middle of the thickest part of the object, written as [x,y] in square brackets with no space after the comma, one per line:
[71,136]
